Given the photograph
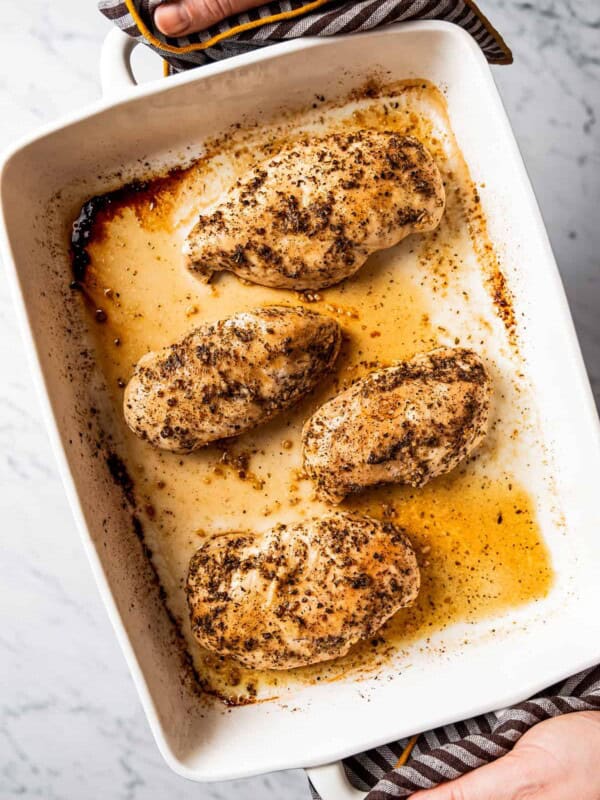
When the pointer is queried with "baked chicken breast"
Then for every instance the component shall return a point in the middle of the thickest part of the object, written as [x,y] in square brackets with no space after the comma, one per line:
[310,216]
[229,376]
[299,594]
[404,424]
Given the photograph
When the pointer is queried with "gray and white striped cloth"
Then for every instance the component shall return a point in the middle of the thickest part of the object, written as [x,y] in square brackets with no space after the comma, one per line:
[453,750]
[272,23]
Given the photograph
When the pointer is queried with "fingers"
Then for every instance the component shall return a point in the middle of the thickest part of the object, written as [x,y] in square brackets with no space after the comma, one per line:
[555,760]
[181,17]
[506,779]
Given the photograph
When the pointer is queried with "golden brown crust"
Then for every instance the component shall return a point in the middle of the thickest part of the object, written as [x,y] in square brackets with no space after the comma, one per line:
[404,424]
[299,594]
[229,376]
[310,216]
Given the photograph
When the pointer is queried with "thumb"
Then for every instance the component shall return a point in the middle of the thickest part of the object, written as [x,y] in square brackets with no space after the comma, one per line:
[509,778]
[189,16]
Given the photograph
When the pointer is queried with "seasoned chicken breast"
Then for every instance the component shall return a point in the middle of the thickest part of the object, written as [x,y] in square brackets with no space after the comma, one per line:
[299,594]
[229,376]
[404,424]
[310,216]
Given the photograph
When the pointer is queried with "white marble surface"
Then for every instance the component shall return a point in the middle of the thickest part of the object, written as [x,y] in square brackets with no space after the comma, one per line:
[71,725]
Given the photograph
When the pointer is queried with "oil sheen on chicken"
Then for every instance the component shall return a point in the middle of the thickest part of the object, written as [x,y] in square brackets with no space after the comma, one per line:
[229,376]
[299,594]
[404,424]
[310,216]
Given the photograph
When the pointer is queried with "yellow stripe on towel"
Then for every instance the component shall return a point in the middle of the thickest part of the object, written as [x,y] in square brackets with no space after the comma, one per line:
[406,752]
[246,26]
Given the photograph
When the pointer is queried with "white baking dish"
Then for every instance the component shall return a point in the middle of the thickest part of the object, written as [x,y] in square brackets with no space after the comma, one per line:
[44,181]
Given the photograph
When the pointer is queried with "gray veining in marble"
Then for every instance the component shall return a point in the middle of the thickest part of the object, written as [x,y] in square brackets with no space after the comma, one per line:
[71,725]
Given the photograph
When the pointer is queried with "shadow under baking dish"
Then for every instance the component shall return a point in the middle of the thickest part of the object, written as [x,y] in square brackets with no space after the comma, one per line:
[476,532]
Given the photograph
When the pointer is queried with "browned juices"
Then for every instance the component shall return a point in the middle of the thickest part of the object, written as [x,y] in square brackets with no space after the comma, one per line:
[475,531]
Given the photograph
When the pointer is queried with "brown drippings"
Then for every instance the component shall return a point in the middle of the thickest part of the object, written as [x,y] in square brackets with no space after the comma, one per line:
[152,200]
[440,288]
[121,476]
[479,549]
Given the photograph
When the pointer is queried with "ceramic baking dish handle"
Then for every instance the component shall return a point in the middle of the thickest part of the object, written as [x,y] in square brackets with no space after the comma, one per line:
[331,783]
[116,75]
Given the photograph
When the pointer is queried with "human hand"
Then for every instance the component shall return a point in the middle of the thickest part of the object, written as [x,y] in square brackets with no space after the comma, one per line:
[559,759]
[180,17]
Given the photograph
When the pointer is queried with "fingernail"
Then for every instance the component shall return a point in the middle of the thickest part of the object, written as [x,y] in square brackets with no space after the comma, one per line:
[172,19]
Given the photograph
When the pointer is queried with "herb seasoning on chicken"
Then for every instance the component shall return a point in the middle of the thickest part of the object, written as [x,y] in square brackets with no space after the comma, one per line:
[299,594]
[310,216]
[404,424]
[229,376]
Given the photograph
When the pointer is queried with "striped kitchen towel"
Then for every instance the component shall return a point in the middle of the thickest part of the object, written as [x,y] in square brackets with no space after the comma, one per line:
[453,750]
[289,19]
